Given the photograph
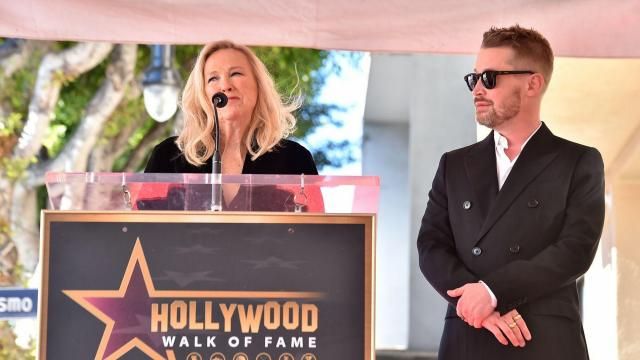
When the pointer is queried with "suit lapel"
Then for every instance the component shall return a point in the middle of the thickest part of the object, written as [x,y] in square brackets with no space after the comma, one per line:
[537,154]
[480,166]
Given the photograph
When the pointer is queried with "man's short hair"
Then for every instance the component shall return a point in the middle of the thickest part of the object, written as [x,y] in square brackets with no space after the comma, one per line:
[528,45]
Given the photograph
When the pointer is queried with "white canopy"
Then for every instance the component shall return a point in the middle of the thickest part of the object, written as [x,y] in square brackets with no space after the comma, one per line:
[589,28]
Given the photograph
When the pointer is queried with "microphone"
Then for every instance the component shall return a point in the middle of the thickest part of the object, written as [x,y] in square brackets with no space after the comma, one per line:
[219,100]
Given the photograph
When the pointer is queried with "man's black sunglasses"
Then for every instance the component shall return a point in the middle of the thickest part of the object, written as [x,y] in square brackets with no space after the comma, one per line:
[488,77]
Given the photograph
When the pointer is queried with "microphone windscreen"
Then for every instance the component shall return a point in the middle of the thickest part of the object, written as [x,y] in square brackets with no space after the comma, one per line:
[219,100]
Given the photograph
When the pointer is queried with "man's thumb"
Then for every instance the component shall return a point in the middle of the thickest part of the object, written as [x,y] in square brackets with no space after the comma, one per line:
[455,292]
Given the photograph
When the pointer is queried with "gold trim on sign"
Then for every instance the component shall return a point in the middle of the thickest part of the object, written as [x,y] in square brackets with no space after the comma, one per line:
[203,217]
[44,286]
[369,291]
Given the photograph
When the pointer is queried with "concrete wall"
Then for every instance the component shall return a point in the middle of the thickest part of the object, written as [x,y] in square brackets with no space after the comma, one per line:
[385,154]
[417,108]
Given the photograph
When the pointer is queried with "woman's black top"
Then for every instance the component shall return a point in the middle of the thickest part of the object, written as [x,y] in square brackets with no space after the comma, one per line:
[287,158]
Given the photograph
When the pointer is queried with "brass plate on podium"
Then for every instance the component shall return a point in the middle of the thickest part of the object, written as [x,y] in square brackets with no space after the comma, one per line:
[198,285]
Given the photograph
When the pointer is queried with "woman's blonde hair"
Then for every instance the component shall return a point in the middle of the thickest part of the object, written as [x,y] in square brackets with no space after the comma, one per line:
[272,119]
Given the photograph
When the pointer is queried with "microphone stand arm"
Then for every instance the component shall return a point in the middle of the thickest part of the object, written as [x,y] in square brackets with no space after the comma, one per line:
[216,170]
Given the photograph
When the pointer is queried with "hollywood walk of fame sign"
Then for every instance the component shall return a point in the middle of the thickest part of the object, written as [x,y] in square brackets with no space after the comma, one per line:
[191,285]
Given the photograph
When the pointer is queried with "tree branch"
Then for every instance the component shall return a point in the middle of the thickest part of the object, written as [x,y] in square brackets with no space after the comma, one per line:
[75,154]
[16,54]
[53,71]
[106,152]
[141,151]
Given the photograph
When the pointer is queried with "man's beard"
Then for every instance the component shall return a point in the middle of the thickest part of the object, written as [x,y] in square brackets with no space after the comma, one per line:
[496,117]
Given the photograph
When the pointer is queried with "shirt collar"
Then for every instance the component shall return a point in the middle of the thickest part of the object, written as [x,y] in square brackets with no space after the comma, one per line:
[501,142]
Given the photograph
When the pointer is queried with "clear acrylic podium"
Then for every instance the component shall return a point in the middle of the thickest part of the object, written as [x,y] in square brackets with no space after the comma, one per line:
[280,193]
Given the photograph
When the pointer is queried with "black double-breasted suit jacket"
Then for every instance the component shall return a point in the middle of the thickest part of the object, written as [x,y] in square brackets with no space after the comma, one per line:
[528,241]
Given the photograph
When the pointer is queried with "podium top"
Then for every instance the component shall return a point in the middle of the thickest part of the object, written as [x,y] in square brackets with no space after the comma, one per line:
[279,193]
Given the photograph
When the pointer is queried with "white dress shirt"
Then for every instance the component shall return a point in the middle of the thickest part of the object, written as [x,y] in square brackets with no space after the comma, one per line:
[503,163]
[504,166]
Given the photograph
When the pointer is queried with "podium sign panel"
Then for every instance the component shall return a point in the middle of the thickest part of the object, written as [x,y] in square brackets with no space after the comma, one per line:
[201,285]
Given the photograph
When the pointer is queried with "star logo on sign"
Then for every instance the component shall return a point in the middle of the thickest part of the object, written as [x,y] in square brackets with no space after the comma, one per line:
[274,262]
[184,279]
[197,249]
[121,309]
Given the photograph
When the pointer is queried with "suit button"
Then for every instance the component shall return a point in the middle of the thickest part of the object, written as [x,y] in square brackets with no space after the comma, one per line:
[476,251]
[466,205]
[514,249]
[533,203]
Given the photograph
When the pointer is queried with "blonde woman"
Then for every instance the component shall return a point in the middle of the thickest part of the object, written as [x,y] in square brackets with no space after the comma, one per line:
[254,124]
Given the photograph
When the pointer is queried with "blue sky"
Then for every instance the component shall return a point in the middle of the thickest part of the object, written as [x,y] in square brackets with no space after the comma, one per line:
[348,90]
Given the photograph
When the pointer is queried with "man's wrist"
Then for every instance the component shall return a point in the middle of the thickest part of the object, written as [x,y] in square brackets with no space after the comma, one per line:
[494,300]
